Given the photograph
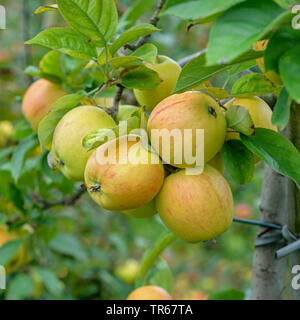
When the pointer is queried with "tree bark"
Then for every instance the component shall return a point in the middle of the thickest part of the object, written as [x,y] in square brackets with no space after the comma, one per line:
[293,133]
[268,277]
[280,203]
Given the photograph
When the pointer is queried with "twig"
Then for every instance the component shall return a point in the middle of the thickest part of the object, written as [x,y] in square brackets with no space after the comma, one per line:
[67,201]
[154,20]
[113,111]
[187,59]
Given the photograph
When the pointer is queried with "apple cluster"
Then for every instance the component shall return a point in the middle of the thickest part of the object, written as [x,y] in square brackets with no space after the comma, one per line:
[196,207]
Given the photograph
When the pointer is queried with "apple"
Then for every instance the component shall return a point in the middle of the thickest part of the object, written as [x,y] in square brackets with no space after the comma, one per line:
[217,163]
[146,211]
[125,112]
[67,151]
[168,71]
[196,295]
[272,75]
[243,211]
[259,111]
[196,207]
[6,132]
[149,293]
[188,110]
[120,175]
[38,100]
[21,257]
[128,270]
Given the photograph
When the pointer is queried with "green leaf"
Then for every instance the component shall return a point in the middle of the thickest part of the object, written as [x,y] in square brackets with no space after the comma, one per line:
[277,151]
[97,138]
[23,150]
[242,67]
[36,72]
[230,294]
[253,84]
[289,68]
[95,19]
[124,62]
[127,111]
[281,113]
[238,161]
[51,64]
[238,28]
[20,287]
[217,93]
[286,4]
[132,34]
[16,196]
[152,254]
[162,276]
[196,71]
[198,9]
[238,118]
[52,7]
[66,41]
[134,11]
[50,281]
[2,219]
[284,39]
[141,78]
[8,250]
[58,110]
[69,244]
[22,130]
[147,52]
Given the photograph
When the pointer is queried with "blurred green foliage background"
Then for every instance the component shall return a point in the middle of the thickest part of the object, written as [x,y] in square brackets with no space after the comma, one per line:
[82,252]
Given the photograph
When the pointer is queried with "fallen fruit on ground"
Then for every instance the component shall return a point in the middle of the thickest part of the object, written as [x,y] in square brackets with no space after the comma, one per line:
[68,153]
[120,175]
[149,293]
[168,71]
[38,100]
[189,110]
[196,207]
[146,211]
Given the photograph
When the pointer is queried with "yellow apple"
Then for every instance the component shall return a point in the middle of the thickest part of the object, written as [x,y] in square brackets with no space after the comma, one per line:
[149,293]
[68,153]
[196,207]
[21,257]
[168,71]
[120,175]
[38,100]
[271,74]
[125,112]
[259,111]
[6,132]
[128,270]
[217,163]
[146,211]
[189,110]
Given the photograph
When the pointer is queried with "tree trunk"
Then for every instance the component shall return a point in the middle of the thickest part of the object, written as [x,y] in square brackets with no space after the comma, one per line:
[268,277]
[280,203]
[294,193]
